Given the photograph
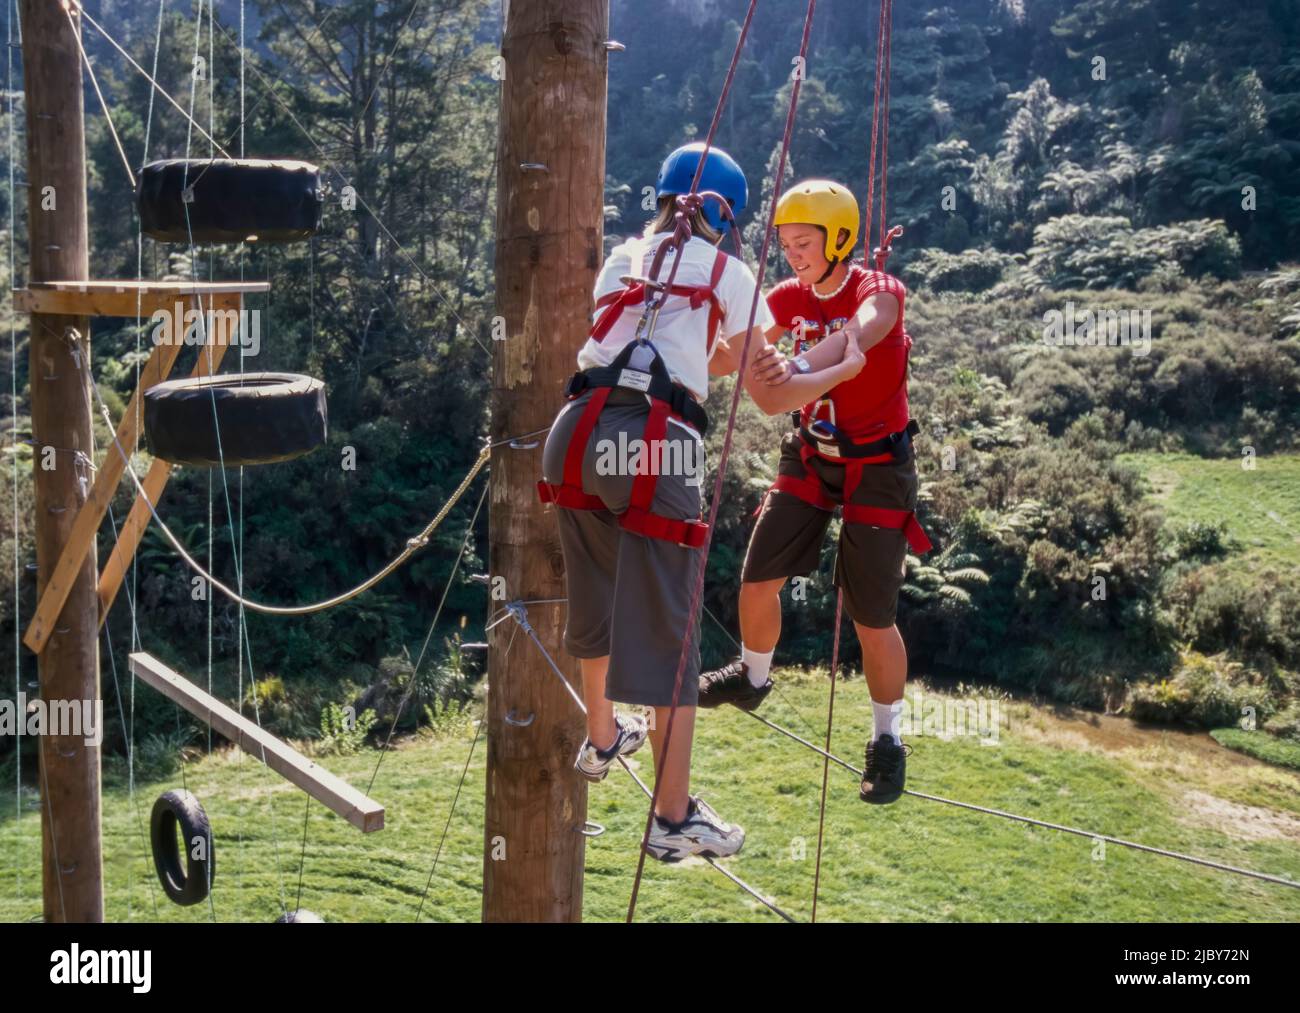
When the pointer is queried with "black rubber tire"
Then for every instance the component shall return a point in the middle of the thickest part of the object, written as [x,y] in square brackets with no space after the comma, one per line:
[234,200]
[301,915]
[263,418]
[188,885]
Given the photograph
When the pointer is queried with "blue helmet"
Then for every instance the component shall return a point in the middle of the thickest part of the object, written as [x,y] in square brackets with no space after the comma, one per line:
[721,174]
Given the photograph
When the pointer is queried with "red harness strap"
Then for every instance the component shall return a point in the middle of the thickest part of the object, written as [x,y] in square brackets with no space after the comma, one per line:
[809,489]
[614,303]
[569,492]
[637,517]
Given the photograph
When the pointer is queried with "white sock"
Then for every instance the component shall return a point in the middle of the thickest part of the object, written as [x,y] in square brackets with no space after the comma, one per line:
[759,664]
[889,719]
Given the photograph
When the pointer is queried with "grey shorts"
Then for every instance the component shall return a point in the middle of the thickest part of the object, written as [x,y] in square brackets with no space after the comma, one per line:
[629,596]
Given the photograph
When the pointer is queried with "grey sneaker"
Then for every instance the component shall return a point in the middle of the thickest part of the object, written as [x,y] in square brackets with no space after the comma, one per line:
[703,832]
[594,764]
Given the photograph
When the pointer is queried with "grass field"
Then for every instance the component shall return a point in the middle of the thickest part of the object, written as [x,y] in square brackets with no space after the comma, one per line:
[1261,507]
[914,860]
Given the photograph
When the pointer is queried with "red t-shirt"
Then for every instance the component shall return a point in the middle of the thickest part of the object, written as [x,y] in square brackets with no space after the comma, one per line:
[873,403]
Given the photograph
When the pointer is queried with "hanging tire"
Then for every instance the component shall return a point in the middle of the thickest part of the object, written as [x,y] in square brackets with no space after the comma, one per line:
[229,200]
[301,915]
[261,417]
[188,883]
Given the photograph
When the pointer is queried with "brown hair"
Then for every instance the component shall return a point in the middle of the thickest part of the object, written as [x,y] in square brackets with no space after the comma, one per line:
[664,222]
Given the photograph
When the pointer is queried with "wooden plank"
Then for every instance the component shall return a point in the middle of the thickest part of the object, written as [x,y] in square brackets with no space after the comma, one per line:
[91,515]
[133,528]
[362,812]
[124,298]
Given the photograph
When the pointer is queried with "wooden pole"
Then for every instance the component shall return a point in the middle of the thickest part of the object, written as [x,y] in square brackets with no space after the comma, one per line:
[61,419]
[550,200]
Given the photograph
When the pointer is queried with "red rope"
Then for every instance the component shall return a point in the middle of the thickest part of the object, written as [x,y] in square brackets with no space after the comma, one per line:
[879,129]
[888,47]
[698,592]
[689,203]
[826,759]
[875,126]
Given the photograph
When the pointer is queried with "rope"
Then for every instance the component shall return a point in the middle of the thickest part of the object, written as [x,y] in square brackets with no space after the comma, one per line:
[478,731]
[270,88]
[1121,842]
[826,763]
[76,34]
[146,75]
[698,591]
[130,750]
[520,614]
[412,544]
[13,395]
[464,545]
[1061,827]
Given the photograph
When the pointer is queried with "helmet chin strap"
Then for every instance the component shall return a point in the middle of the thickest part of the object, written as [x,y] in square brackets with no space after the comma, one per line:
[829,270]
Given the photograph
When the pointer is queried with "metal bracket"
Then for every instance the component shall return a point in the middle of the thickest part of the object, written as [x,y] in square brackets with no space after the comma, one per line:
[590,829]
[510,719]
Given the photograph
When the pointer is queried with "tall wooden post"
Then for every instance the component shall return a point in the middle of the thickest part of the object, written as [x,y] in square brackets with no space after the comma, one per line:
[550,199]
[61,419]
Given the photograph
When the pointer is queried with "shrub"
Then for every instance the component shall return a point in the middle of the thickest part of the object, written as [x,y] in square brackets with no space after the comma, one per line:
[340,733]
[1211,691]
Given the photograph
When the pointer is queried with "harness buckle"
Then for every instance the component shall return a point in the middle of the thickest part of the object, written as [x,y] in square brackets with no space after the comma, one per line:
[578,383]
[649,284]
[901,442]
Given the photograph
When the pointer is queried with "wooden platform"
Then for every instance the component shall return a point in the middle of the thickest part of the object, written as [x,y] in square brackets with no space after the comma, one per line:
[123,298]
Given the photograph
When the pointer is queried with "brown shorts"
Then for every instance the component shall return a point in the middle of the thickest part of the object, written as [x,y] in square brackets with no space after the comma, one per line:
[870,564]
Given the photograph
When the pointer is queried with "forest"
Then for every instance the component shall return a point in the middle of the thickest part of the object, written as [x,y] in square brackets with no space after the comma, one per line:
[1134,156]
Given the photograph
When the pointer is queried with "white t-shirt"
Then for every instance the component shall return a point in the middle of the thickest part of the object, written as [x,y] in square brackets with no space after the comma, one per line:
[681,334]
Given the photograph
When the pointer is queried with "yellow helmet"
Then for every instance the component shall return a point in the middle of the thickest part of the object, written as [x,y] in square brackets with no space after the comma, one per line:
[825,203]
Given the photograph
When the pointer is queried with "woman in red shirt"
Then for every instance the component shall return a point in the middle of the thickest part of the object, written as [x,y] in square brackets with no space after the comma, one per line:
[851,448]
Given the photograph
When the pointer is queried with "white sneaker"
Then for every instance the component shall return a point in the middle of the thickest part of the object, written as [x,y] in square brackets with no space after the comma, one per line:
[594,764]
[703,832]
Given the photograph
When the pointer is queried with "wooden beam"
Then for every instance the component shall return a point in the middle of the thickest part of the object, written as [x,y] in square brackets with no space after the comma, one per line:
[124,298]
[362,812]
[91,514]
[133,528]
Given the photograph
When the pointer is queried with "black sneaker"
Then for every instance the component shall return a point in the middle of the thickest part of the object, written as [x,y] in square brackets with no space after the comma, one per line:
[886,771]
[731,685]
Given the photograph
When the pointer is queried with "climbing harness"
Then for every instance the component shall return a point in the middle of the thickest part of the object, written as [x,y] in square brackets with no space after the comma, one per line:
[667,398]
[637,288]
[822,438]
